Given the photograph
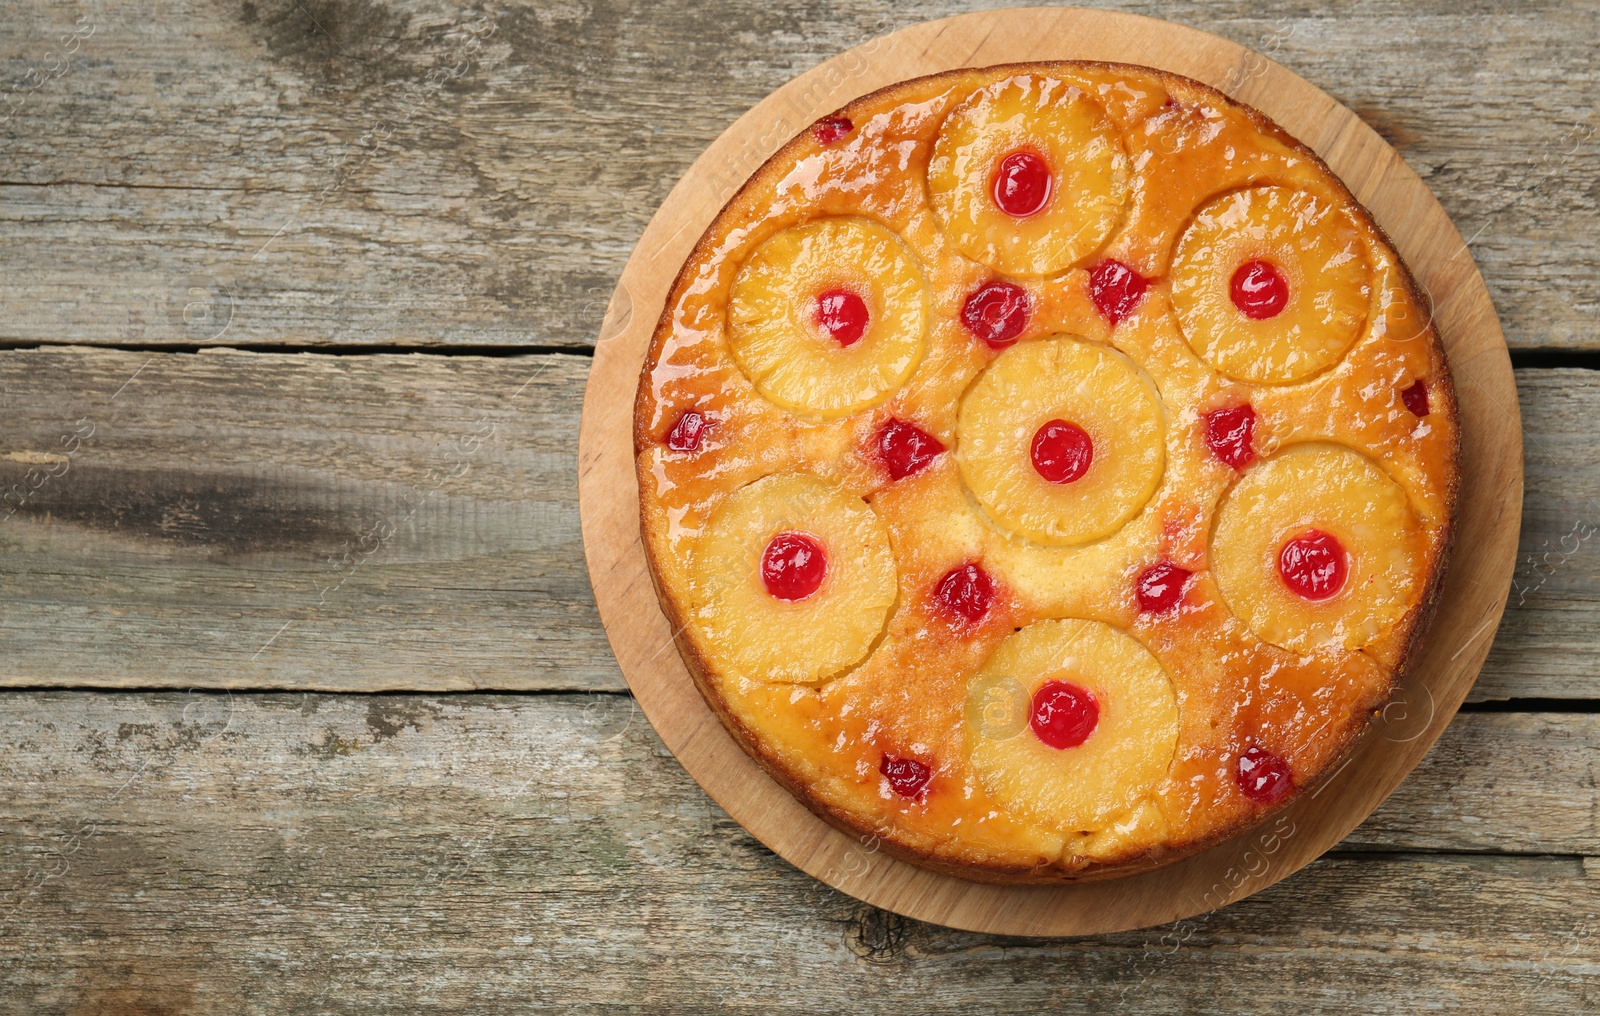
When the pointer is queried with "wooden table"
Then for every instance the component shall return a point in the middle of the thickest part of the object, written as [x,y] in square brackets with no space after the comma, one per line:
[309,709]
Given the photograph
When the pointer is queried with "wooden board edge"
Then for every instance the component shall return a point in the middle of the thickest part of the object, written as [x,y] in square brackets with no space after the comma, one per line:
[1474,592]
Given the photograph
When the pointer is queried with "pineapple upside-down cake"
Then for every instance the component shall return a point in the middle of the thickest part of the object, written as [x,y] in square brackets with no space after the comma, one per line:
[1046,469]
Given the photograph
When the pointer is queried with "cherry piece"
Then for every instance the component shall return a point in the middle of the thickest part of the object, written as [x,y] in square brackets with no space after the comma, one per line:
[1416,398]
[793,566]
[1264,777]
[1231,433]
[904,448]
[1160,587]
[843,315]
[686,433]
[1061,451]
[1063,715]
[997,312]
[1313,564]
[1259,290]
[965,593]
[907,777]
[1116,290]
[831,129]
[1021,184]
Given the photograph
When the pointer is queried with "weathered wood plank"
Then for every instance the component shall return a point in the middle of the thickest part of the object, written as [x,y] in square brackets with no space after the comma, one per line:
[410,519]
[413,520]
[414,172]
[303,853]
[1517,783]
[1551,629]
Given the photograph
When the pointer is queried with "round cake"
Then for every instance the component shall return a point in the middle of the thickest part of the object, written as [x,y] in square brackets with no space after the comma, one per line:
[1047,470]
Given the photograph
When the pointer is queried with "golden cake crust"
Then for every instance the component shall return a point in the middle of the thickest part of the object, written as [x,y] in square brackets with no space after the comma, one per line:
[817,738]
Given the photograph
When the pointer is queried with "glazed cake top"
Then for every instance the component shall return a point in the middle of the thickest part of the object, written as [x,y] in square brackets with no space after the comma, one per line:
[1124,447]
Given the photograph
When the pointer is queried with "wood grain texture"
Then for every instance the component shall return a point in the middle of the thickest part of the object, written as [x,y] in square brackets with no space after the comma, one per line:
[296,854]
[1557,582]
[219,493]
[1469,601]
[410,519]
[422,173]
[288,169]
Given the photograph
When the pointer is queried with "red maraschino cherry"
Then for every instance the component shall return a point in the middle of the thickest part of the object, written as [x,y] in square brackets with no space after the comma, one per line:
[1263,777]
[1063,714]
[1061,451]
[832,129]
[907,777]
[965,593]
[1116,290]
[843,315]
[1230,434]
[793,566]
[1022,184]
[687,431]
[904,448]
[1259,290]
[1416,398]
[997,312]
[1160,587]
[1314,564]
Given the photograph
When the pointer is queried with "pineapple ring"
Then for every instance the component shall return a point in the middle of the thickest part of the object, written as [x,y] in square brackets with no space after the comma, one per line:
[752,632]
[1097,784]
[774,333]
[1314,247]
[1337,491]
[1049,120]
[1064,378]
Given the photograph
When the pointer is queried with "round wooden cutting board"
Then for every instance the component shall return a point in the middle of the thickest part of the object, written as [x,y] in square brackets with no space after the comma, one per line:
[1470,605]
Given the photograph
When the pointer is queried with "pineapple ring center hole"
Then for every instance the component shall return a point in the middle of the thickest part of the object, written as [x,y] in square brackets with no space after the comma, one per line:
[1259,290]
[843,315]
[793,566]
[1022,184]
[1314,565]
[1062,451]
[1063,714]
